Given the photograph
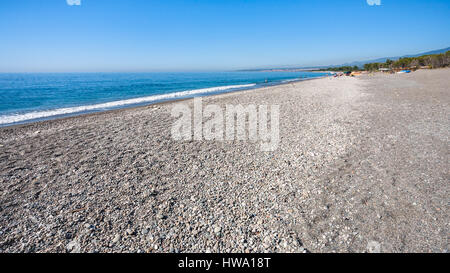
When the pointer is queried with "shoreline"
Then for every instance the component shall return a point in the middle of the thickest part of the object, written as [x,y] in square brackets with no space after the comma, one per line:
[160,102]
[361,166]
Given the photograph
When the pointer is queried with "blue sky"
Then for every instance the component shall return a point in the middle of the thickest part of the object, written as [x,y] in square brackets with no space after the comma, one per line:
[146,35]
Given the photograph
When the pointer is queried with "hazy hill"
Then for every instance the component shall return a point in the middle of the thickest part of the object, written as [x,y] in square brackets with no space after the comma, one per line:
[382,60]
[357,63]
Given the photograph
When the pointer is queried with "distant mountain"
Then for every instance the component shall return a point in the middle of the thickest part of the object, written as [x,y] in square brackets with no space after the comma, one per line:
[382,60]
[357,63]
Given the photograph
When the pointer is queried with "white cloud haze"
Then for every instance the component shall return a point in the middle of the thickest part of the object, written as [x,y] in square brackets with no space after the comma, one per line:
[73,2]
[374,2]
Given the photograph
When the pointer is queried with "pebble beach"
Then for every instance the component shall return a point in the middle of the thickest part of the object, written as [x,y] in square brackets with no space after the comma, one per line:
[362,166]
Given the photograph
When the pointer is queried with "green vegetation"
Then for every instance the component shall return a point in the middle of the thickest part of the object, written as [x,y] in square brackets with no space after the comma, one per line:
[432,61]
[341,68]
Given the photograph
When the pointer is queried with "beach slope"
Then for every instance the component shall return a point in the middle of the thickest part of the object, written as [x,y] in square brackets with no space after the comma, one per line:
[362,166]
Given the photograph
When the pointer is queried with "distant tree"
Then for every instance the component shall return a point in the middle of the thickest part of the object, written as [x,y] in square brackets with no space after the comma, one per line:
[414,63]
[434,61]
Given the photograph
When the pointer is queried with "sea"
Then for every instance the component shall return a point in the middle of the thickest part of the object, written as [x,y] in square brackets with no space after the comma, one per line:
[30,97]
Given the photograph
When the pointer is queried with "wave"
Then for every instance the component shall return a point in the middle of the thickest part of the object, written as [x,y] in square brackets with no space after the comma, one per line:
[9,119]
[290,80]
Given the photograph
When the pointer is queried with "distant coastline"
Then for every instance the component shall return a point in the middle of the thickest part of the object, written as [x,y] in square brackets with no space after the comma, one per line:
[359,64]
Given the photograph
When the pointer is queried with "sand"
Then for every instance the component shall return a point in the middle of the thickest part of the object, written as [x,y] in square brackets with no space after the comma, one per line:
[362,166]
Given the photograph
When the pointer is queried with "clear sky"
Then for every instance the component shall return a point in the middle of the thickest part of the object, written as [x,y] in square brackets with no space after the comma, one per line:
[169,35]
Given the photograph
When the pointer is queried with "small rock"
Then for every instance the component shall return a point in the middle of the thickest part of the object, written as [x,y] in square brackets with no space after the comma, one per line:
[129,232]
[217,229]
[116,238]
[161,216]
[374,247]
[73,247]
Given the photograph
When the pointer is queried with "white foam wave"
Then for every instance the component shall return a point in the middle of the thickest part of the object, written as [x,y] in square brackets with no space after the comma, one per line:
[7,119]
[291,80]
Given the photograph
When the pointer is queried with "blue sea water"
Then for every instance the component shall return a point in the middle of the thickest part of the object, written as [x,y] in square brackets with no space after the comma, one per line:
[30,97]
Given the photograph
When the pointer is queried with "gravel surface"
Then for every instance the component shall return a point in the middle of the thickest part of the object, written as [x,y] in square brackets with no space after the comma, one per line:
[362,166]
